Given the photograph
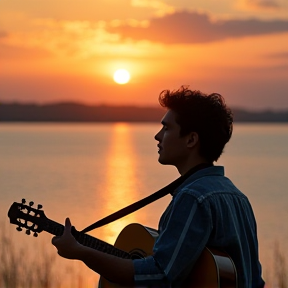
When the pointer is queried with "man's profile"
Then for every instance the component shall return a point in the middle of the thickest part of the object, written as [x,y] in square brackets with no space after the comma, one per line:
[205,210]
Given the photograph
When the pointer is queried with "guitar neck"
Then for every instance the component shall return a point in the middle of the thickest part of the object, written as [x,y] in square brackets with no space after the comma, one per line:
[57,229]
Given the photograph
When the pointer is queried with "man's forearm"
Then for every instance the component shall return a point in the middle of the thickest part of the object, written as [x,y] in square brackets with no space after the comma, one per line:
[112,268]
[115,269]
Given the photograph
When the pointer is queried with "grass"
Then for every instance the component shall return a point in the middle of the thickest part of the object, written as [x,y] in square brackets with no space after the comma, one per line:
[280,269]
[20,268]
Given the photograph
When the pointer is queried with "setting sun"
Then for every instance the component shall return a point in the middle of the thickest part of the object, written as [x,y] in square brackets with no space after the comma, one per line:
[121,76]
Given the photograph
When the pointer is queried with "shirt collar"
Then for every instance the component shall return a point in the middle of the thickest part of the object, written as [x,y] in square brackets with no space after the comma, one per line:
[197,172]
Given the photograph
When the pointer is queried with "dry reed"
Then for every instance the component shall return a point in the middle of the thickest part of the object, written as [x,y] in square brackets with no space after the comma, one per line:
[18,269]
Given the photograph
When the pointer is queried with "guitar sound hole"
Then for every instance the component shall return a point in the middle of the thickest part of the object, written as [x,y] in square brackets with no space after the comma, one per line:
[137,254]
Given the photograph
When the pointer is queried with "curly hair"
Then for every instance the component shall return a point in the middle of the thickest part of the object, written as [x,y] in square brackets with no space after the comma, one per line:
[204,114]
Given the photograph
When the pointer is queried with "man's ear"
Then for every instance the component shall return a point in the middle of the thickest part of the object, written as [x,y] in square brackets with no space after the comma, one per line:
[192,139]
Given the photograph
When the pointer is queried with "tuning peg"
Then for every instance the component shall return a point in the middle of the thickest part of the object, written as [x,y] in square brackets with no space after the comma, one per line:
[35,234]
[23,201]
[28,232]
[19,228]
[39,206]
[31,203]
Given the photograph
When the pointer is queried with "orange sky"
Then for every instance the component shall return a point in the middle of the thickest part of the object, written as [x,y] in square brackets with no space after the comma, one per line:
[68,50]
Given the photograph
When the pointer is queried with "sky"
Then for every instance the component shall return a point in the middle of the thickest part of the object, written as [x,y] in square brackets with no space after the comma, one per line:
[67,50]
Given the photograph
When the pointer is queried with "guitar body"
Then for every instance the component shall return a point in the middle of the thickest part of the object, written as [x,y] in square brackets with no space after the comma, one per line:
[135,239]
[213,269]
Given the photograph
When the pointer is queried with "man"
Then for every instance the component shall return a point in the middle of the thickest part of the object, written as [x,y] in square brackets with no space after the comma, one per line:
[206,209]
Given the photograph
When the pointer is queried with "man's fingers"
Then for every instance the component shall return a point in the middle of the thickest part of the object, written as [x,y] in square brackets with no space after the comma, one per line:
[68,223]
[67,231]
[67,226]
[54,240]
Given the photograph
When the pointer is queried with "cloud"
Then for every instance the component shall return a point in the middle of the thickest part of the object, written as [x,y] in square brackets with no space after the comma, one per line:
[266,4]
[281,55]
[193,27]
[61,37]
[73,39]
[16,52]
[3,34]
[160,7]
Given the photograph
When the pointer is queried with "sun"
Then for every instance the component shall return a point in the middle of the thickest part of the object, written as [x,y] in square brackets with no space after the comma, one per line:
[121,76]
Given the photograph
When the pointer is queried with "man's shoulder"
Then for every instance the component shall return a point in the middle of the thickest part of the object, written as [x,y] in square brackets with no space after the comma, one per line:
[208,182]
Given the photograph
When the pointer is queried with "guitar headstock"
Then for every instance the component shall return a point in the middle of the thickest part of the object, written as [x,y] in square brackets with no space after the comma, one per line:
[25,216]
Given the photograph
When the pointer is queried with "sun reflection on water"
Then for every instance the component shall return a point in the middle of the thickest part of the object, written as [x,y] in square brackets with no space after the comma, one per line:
[120,183]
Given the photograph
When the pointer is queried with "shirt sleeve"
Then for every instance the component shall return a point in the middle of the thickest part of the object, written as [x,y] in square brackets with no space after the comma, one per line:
[180,243]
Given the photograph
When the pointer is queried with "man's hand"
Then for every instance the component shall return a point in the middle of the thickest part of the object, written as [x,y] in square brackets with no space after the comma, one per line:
[111,267]
[66,244]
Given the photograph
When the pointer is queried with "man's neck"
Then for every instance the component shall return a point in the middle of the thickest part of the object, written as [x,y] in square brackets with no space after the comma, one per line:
[196,168]
[189,166]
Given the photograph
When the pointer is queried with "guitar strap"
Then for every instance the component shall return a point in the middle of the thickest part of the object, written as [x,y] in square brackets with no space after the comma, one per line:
[145,201]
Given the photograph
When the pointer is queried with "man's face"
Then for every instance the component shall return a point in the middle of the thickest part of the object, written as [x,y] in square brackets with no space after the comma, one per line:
[172,148]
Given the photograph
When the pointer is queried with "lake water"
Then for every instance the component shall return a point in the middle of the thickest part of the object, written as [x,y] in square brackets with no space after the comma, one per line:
[87,171]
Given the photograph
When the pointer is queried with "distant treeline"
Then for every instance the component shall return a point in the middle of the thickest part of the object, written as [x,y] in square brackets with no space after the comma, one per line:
[77,112]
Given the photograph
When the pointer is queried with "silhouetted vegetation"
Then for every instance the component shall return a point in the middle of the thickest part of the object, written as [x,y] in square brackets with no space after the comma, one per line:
[20,269]
[77,112]
[280,269]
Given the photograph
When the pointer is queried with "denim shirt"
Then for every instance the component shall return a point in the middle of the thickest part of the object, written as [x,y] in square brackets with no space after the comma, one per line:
[206,210]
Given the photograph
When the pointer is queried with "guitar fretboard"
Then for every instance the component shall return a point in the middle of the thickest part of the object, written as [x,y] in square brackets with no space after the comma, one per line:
[57,229]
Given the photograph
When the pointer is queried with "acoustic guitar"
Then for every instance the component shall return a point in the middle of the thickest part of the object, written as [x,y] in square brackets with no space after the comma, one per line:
[213,269]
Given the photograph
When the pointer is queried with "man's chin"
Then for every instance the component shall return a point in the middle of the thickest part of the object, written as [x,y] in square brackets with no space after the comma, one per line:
[160,160]
[163,161]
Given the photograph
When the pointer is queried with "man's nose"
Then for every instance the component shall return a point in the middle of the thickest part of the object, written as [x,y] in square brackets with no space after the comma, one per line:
[156,137]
